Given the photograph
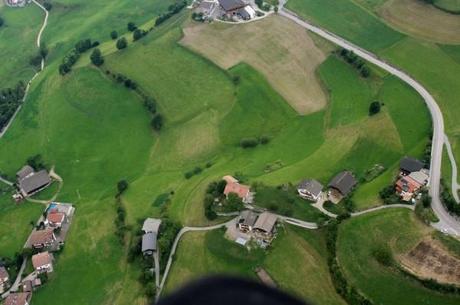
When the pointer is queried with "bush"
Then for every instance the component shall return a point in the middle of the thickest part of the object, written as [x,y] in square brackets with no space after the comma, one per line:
[131,26]
[383,256]
[2,22]
[264,140]
[138,34]
[48,6]
[114,35]
[150,105]
[96,58]
[122,186]
[36,162]
[168,232]
[83,45]
[157,122]
[121,43]
[172,10]
[249,142]
[374,108]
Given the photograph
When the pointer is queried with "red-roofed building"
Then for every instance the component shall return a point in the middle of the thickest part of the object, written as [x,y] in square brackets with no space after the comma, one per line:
[42,238]
[55,219]
[20,298]
[4,279]
[407,187]
[43,262]
[241,190]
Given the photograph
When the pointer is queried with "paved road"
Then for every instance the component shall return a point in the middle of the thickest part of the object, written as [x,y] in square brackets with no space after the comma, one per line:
[15,286]
[447,223]
[42,66]
[176,243]
[455,185]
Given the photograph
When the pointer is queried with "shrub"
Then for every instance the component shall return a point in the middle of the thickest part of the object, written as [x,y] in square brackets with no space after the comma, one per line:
[96,58]
[122,186]
[249,142]
[157,122]
[264,140]
[114,35]
[2,22]
[121,43]
[36,162]
[374,108]
[131,26]
[83,45]
[48,6]
[138,34]
[150,105]
[383,256]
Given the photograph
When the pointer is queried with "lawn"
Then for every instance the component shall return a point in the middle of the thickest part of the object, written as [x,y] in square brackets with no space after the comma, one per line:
[348,20]
[397,229]
[18,36]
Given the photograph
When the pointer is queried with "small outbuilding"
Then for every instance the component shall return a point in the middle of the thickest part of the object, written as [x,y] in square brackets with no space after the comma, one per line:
[310,189]
[151,225]
[149,243]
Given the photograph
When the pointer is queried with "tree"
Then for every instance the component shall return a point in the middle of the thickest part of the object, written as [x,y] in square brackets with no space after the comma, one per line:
[2,22]
[132,26]
[157,122]
[122,186]
[122,43]
[114,35]
[365,72]
[96,58]
[83,45]
[48,6]
[374,107]
[138,34]
[43,51]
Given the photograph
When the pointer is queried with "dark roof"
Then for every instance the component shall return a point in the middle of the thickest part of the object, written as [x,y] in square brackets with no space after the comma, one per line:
[243,13]
[266,222]
[34,182]
[343,182]
[248,218]
[24,171]
[410,165]
[149,242]
[310,185]
[230,5]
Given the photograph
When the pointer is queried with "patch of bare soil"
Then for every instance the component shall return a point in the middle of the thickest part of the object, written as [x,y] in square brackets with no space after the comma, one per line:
[430,260]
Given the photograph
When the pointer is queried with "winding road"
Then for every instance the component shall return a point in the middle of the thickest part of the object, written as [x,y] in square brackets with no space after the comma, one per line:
[447,223]
[42,66]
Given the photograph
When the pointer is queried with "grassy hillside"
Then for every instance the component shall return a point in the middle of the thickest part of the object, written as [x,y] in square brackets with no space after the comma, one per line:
[18,36]
[452,6]
[202,254]
[398,230]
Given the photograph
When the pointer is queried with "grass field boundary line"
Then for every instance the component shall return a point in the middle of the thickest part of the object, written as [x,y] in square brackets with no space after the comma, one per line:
[42,66]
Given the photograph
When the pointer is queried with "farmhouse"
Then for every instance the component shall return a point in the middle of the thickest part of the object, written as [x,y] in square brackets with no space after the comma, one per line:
[40,239]
[409,186]
[4,279]
[247,220]
[55,219]
[265,224]
[30,182]
[231,7]
[241,190]
[19,298]
[408,165]
[43,262]
[310,189]
[341,185]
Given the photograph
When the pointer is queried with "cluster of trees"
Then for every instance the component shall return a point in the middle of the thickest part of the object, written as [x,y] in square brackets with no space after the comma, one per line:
[253,142]
[71,58]
[357,62]
[349,293]
[449,202]
[138,34]
[426,159]
[374,108]
[120,221]
[168,232]
[196,171]
[214,190]
[41,55]
[389,196]
[172,10]
[10,99]
[36,162]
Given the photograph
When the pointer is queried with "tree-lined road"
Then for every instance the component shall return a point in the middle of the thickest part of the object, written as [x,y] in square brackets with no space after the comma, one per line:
[447,223]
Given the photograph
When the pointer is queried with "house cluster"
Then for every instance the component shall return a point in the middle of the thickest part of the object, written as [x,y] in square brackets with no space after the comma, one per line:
[231,10]
[47,238]
[412,178]
[241,190]
[4,279]
[17,3]
[150,228]
[338,188]
[260,227]
[30,182]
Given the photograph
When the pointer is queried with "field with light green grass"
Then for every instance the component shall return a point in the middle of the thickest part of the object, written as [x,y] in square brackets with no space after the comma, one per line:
[17,36]
[398,230]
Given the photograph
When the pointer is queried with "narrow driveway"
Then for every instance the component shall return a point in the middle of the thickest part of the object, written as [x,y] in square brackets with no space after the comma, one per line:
[447,223]
[453,164]
[15,286]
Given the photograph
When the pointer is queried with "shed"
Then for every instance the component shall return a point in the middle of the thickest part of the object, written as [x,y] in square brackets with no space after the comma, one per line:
[149,243]
[34,182]
[343,182]
[151,225]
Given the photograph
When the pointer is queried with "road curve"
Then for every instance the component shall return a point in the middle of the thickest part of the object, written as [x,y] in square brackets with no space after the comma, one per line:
[42,66]
[447,223]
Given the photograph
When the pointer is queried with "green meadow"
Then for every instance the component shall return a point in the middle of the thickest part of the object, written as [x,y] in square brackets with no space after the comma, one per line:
[398,230]
[96,132]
